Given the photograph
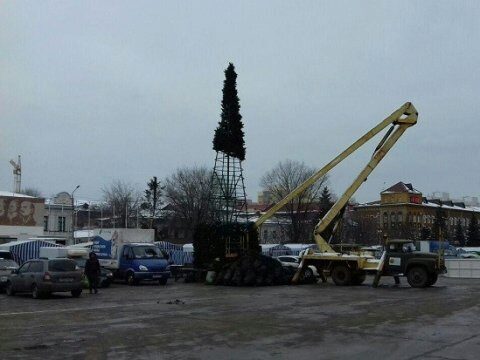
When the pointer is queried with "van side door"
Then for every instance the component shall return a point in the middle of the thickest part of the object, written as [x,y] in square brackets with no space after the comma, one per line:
[125,260]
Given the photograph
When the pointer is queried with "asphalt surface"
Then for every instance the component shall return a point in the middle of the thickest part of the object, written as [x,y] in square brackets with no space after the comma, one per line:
[195,321]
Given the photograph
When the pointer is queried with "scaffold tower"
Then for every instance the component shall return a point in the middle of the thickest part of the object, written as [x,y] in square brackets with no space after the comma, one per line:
[228,197]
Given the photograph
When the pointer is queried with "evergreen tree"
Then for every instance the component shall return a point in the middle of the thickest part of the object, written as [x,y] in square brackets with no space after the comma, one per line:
[325,201]
[152,196]
[229,134]
[425,234]
[439,224]
[459,235]
[473,233]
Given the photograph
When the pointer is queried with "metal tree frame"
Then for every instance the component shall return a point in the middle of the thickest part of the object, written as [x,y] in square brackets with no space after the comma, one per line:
[228,197]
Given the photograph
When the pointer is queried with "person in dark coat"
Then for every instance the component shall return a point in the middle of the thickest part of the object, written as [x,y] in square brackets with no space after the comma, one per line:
[92,271]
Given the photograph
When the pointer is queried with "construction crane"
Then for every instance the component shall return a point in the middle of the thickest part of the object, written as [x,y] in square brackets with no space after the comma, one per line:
[351,268]
[17,175]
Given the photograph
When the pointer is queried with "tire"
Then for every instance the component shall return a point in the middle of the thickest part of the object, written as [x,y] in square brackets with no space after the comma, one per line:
[308,277]
[308,274]
[105,283]
[432,279]
[76,293]
[417,277]
[131,279]
[358,277]
[9,289]
[36,294]
[163,281]
[341,275]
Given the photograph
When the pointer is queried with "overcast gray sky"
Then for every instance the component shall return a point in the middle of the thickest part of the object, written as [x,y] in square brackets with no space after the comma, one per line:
[92,91]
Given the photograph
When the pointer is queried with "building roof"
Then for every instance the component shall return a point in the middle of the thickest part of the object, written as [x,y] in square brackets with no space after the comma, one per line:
[13,194]
[401,187]
[425,203]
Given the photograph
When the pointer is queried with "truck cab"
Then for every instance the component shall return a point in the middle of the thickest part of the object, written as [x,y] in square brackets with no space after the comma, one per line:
[420,268]
[142,262]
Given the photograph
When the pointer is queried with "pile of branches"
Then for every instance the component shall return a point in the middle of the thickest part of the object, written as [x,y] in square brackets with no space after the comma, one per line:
[254,270]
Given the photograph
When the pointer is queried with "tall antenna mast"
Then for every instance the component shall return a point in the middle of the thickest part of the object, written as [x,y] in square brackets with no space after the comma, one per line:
[17,175]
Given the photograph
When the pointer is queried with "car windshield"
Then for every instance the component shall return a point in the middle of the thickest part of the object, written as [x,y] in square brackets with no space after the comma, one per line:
[61,265]
[8,264]
[147,252]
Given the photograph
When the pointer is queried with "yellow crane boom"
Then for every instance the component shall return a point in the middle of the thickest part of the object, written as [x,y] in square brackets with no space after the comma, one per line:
[400,120]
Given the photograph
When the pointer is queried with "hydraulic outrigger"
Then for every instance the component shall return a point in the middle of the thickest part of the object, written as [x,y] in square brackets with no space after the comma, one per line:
[347,268]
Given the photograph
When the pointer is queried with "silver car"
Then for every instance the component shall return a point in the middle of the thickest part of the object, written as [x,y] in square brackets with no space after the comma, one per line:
[6,267]
[294,262]
[42,277]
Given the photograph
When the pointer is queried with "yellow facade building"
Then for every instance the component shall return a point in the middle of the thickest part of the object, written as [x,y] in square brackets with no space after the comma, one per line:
[403,212]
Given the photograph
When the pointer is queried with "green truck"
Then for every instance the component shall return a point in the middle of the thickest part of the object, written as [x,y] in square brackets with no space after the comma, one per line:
[402,259]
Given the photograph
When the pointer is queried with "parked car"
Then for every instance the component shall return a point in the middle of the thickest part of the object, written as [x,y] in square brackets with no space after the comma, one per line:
[469,255]
[294,261]
[41,277]
[6,268]
[106,276]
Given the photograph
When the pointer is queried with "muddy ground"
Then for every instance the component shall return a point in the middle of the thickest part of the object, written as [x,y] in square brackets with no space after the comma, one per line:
[194,321]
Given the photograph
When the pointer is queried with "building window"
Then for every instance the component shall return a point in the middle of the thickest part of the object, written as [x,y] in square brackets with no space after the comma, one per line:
[392,219]
[399,217]
[45,223]
[385,220]
[61,223]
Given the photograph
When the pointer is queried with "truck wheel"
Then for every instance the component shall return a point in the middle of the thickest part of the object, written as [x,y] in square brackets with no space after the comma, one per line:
[131,279]
[341,275]
[358,277]
[417,277]
[9,289]
[432,279]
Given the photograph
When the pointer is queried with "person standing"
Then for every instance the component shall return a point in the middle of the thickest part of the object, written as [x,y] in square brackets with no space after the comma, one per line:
[92,271]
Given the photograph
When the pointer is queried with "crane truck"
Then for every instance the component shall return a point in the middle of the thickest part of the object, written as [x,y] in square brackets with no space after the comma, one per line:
[421,269]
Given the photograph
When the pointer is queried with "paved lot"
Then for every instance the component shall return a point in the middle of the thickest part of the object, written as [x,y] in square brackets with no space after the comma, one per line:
[285,322]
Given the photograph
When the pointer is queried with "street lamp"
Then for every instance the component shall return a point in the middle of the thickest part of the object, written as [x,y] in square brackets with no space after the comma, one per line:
[73,213]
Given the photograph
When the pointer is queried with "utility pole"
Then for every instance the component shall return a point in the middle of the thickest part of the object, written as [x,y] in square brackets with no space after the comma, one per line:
[73,212]
[17,175]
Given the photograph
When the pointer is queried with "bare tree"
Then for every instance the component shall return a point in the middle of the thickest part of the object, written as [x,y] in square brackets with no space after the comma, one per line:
[32,191]
[187,191]
[303,211]
[123,200]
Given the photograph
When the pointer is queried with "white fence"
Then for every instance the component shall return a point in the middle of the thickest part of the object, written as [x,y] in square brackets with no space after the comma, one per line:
[463,268]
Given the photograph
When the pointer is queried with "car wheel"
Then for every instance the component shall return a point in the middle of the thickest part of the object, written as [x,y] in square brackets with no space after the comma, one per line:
[76,293]
[36,294]
[163,281]
[341,275]
[9,289]
[131,279]
[105,283]
[417,277]
[308,273]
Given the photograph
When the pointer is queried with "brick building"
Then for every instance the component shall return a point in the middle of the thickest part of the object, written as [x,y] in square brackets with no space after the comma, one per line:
[403,212]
